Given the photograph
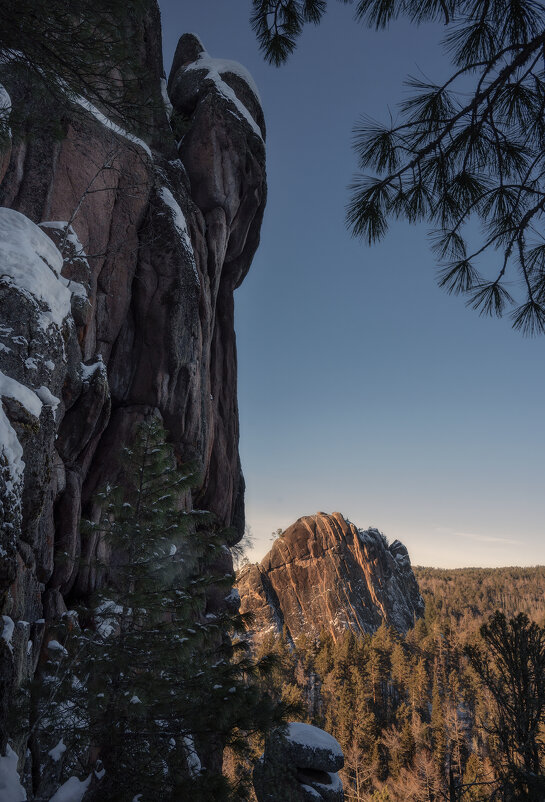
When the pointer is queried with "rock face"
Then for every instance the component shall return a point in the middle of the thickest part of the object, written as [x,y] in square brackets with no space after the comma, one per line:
[299,765]
[324,573]
[119,258]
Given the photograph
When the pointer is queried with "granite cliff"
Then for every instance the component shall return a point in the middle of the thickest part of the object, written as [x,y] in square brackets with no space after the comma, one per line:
[119,257]
[325,573]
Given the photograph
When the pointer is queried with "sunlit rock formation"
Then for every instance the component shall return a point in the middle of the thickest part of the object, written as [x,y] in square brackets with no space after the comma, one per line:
[325,573]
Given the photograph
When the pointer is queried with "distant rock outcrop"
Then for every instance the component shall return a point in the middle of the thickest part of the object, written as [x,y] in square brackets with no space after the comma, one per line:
[325,573]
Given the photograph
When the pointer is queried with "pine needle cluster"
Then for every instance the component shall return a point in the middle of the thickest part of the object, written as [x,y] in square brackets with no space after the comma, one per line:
[465,152]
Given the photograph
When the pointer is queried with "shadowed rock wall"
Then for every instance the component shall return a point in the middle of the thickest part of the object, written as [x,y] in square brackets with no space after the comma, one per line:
[155,236]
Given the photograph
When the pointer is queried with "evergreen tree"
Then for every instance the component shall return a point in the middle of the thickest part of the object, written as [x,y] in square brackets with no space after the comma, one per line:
[152,688]
[438,734]
[511,664]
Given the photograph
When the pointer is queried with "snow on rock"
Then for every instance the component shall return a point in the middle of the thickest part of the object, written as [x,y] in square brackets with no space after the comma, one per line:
[5,102]
[5,109]
[47,398]
[7,631]
[180,224]
[72,790]
[299,762]
[10,388]
[191,756]
[223,65]
[214,69]
[12,465]
[68,234]
[233,597]
[55,646]
[11,478]
[89,370]
[11,454]
[31,262]
[11,789]
[58,751]
[311,746]
[116,129]
[166,99]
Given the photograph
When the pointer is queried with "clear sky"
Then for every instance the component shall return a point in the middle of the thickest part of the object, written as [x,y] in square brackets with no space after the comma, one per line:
[363,388]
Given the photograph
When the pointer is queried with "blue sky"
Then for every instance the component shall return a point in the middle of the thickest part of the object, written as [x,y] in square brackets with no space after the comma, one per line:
[364,388]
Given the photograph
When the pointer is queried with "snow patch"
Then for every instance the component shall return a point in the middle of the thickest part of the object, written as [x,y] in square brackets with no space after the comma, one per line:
[5,103]
[166,99]
[215,68]
[47,398]
[89,370]
[116,129]
[313,737]
[335,783]
[180,225]
[70,234]
[233,597]
[11,388]
[193,760]
[58,751]
[11,789]
[5,110]
[72,790]
[55,646]
[223,65]
[312,792]
[31,262]
[7,632]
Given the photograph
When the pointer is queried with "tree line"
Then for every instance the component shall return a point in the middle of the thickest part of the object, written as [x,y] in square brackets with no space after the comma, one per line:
[453,710]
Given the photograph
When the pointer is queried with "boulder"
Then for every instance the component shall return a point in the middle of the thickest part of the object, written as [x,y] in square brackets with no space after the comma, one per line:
[299,764]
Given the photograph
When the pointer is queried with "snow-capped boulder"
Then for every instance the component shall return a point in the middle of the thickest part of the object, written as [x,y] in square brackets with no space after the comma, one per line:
[300,764]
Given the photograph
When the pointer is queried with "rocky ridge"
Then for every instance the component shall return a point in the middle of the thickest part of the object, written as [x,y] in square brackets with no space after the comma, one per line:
[119,259]
[325,573]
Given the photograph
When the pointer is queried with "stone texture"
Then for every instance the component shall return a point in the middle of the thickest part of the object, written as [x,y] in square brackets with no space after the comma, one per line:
[154,243]
[324,573]
[299,764]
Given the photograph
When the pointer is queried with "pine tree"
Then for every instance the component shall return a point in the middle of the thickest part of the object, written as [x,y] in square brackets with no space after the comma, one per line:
[152,688]
[511,665]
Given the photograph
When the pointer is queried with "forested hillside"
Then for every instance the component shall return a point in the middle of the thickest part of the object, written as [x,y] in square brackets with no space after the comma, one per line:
[467,595]
[411,713]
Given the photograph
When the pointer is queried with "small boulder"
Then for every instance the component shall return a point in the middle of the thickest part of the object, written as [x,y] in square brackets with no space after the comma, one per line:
[300,764]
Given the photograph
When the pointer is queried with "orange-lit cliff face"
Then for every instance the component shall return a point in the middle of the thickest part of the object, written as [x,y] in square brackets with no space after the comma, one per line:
[324,573]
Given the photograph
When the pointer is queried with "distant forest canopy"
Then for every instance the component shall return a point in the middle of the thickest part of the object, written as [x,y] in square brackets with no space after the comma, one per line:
[467,596]
[414,719]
